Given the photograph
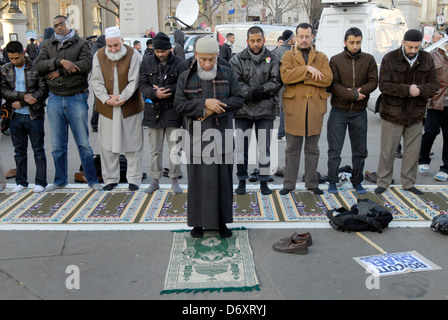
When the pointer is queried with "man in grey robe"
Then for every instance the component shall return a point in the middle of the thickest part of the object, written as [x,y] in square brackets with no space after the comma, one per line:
[207,96]
[114,80]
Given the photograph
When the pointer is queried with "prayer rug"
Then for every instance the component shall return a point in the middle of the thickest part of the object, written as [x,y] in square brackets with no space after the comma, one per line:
[46,207]
[433,202]
[120,206]
[211,264]
[116,206]
[165,206]
[304,206]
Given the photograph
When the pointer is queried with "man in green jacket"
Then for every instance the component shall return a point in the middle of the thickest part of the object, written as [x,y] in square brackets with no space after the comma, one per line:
[408,78]
[355,77]
[66,61]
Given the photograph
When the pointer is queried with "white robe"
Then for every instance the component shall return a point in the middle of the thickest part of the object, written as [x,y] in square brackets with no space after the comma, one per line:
[118,135]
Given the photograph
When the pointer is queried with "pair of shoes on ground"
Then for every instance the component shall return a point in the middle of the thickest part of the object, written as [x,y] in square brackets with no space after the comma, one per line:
[372,177]
[317,191]
[224,232]
[440,176]
[297,243]
[19,188]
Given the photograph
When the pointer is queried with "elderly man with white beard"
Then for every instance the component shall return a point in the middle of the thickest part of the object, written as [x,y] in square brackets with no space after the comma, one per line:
[207,95]
[114,80]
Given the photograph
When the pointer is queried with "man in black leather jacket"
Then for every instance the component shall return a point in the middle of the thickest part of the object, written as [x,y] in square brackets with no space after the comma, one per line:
[257,70]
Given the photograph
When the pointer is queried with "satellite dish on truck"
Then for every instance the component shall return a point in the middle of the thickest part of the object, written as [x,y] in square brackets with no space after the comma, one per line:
[187,12]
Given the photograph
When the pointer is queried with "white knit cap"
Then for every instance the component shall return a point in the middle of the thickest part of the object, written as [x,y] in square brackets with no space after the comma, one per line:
[112,32]
[207,45]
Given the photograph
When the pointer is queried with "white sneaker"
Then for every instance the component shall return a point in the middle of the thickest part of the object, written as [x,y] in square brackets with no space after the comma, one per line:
[38,189]
[18,188]
[441,176]
[423,168]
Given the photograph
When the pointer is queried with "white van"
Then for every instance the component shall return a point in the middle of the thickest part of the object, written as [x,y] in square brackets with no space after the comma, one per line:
[383,31]
[271,33]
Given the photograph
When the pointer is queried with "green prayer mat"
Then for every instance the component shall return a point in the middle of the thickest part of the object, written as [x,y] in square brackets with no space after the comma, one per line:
[211,263]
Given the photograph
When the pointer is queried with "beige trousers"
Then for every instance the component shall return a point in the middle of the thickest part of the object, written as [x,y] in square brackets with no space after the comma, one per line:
[391,135]
[110,166]
[156,141]
[292,160]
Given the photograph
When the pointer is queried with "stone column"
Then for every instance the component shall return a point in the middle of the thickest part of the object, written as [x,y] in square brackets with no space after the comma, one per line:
[410,10]
[14,23]
[87,17]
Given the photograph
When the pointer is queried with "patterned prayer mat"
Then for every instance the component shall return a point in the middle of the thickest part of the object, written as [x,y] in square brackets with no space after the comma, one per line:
[168,207]
[120,206]
[211,264]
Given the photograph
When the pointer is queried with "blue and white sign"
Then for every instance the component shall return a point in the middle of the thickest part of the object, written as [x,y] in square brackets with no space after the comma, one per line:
[396,263]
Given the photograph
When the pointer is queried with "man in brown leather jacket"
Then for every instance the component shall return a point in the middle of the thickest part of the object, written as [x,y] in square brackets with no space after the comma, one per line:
[437,117]
[408,78]
[355,77]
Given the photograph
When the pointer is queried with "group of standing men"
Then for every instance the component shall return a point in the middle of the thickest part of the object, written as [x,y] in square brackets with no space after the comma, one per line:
[163,94]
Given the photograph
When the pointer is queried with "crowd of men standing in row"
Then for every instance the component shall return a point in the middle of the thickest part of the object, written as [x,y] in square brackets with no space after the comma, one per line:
[166,93]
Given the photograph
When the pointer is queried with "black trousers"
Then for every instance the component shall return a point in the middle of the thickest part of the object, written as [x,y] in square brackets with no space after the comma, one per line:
[436,121]
[338,123]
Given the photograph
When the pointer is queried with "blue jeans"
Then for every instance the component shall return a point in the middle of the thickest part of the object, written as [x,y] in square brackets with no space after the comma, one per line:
[65,111]
[23,127]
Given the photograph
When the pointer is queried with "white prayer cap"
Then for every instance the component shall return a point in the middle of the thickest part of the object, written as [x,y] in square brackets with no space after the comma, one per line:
[207,45]
[112,32]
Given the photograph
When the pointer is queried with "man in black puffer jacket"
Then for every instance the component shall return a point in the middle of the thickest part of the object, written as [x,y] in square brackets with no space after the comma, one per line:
[158,80]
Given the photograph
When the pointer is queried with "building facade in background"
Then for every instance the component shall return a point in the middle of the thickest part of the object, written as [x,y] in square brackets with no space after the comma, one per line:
[87,16]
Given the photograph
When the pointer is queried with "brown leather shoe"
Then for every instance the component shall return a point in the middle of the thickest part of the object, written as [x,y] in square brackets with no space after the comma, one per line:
[80,177]
[301,237]
[291,246]
[11,173]
[371,176]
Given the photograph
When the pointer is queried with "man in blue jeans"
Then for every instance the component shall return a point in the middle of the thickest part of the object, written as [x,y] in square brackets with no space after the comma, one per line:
[25,91]
[66,60]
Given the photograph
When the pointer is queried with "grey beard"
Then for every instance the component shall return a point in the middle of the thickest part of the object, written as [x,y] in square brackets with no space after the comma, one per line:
[207,75]
[116,56]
